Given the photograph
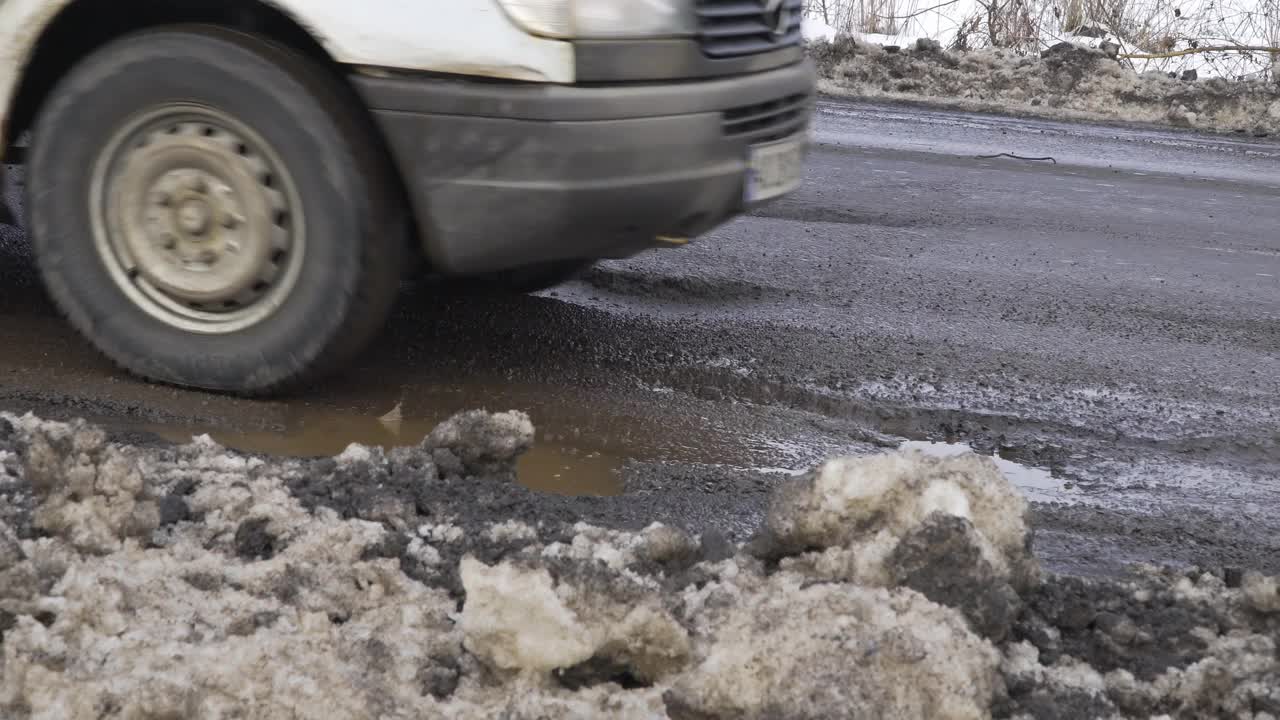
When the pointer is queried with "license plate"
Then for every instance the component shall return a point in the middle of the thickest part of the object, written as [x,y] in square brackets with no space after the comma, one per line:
[773,169]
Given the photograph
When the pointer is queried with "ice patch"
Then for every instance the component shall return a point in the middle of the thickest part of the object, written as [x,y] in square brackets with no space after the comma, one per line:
[1035,483]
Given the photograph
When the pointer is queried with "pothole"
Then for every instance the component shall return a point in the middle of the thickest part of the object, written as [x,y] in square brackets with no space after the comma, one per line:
[548,467]
[1037,484]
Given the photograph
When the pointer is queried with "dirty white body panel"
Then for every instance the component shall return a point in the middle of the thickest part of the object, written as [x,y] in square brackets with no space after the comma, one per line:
[469,37]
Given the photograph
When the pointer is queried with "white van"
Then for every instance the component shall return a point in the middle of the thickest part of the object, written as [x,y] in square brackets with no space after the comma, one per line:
[226,193]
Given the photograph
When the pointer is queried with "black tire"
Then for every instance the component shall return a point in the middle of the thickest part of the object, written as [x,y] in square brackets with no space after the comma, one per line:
[350,268]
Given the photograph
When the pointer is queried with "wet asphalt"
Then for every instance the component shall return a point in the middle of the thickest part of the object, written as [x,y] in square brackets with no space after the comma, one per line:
[1106,322]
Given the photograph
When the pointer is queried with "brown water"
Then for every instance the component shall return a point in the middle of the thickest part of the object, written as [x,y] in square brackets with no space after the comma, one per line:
[547,467]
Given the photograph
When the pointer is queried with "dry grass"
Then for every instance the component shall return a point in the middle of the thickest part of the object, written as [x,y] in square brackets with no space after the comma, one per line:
[1078,84]
[1241,31]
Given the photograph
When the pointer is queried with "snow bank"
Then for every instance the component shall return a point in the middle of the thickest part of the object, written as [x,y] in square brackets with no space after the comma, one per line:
[813,28]
[789,649]
[1067,81]
[1140,27]
[198,583]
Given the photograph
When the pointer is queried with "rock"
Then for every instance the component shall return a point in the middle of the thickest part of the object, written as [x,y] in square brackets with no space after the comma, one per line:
[1110,49]
[1090,31]
[1036,102]
[1190,75]
[928,45]
[1273,111]
[1057,49]
[892,49]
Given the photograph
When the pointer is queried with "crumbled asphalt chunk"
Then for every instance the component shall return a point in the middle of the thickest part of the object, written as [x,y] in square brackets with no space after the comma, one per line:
[205,582]
[1067,705]
[254,541]
[10,549]
[942,559]
[671,547]
[1233,576]
[173,509]
[895,586]
[715,546]
[392,545]
[1158,615]
[598,671]
[484,443]
[439,677]
[250,625]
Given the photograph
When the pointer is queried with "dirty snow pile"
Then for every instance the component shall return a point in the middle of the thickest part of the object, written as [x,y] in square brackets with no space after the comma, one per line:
[194,582]
[1066,81]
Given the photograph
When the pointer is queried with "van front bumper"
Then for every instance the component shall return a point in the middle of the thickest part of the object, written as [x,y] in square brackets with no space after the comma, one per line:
[503,175]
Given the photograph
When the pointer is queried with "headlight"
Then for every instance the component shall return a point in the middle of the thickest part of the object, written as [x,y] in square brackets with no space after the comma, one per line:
[603,18]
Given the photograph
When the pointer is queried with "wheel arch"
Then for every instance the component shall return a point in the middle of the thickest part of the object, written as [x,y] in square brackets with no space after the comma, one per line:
[47,37]
[64,31]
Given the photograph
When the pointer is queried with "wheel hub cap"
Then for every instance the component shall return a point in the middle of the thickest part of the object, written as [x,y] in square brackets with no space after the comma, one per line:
[199,223]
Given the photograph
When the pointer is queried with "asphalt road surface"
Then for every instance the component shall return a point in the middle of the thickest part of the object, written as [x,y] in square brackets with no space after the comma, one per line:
[1106,322]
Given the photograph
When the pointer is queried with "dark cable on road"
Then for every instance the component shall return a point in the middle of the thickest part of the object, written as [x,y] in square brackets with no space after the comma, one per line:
[1015,157]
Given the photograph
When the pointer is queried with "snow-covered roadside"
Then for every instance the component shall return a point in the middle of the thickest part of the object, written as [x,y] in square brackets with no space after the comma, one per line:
[1065,82]
[1152,35]
[194,582]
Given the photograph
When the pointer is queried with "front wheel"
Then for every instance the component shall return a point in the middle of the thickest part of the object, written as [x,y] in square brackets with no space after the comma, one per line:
[209,210]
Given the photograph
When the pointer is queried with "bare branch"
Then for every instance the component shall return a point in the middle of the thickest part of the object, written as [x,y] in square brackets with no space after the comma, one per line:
[918,13]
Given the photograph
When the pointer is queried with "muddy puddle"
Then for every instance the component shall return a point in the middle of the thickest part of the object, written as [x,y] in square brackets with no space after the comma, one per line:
[1037,484]
[548,467]
[560,462]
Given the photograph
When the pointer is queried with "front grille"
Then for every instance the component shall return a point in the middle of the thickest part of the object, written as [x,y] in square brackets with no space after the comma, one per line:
[766,121]
[731,28]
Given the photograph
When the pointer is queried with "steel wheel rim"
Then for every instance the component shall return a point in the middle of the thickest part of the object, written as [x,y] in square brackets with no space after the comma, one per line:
[197,220]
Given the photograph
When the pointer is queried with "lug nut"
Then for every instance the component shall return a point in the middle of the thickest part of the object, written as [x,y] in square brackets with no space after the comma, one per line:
[232,220]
